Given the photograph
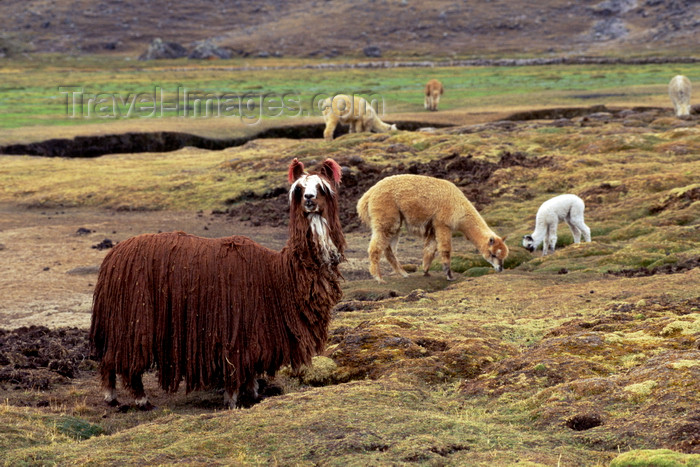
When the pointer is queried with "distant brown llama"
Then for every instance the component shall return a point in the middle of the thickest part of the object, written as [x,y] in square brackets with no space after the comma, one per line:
[433,91]
[220,312]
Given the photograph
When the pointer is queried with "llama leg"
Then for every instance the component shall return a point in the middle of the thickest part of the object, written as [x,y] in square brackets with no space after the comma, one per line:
[231,399]
[252,388]
[390,253]
[358,126]
[136,385]
[429,250]
[109,386]
[443,235]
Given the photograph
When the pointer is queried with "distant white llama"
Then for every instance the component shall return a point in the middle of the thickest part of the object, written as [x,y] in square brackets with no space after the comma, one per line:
[679,91]
[568,208]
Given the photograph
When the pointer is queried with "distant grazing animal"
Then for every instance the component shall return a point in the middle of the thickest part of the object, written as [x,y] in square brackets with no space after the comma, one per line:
[433,91]
[432,209]
[568,208]
[354,111]
[679,91]
[219,312]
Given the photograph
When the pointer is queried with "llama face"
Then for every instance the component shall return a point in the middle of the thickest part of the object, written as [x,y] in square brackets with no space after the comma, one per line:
[529,243]
[310,191]
[497,253]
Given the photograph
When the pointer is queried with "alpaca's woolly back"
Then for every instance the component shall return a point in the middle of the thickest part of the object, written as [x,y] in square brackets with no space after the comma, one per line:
[559,208]
[422,199]
[211,311]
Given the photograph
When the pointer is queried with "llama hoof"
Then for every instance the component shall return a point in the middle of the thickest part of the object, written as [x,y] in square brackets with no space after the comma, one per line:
[112,403]
[147,407]
[426,274]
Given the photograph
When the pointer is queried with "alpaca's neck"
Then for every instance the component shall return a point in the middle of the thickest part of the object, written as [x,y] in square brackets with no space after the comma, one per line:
[540,232]
[474,227]
[380,125]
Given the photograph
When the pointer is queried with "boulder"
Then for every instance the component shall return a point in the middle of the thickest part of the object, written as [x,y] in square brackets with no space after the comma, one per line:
[205,50]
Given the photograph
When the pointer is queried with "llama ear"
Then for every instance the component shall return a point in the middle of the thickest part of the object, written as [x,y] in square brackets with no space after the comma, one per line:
[503,238]
[296,170]
[331,170]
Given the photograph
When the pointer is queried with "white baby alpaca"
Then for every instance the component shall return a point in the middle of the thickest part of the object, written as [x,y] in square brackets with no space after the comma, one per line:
[568,208]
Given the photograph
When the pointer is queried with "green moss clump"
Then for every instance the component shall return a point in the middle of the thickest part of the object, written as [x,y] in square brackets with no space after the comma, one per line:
[655,458]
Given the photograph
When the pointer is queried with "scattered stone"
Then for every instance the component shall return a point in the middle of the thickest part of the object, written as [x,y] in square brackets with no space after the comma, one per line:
[83,231]
[372,51]
[207,50]
[104,244]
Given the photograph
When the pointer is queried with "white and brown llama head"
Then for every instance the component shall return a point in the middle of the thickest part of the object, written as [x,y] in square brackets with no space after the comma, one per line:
[313,200]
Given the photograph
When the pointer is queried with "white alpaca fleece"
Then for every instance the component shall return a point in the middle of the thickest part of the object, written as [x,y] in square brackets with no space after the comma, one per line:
[679,91]
[568,208]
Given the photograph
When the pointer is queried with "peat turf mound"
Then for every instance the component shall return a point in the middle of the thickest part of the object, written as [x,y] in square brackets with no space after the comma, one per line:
[471,175]
[37,357]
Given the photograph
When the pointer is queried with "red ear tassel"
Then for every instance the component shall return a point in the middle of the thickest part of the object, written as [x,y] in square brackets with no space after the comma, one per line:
[296,170]
[335,170]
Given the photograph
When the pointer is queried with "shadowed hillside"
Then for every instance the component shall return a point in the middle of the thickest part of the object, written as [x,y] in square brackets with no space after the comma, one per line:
[312,28]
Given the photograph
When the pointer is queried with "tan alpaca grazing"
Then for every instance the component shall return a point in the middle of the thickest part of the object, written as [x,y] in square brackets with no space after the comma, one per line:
[433,91]
[679,91]
[432,209]
[354,111]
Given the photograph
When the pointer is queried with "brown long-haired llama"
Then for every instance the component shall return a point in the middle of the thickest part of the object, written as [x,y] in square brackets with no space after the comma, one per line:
[219,312]
[431,208]
[433,91]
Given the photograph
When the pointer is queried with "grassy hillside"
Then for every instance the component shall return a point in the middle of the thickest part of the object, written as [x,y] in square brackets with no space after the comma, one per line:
[40,92]
[571,359]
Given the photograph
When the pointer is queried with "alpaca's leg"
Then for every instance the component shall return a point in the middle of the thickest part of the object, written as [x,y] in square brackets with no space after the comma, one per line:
[429,250]
[443,235]
[385,227]
[575,231]
[330,128]
[359,127]
[553,242]
[377,245]
[545,242]
[136,385]
[390,253]
[586,231]
[109,386]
